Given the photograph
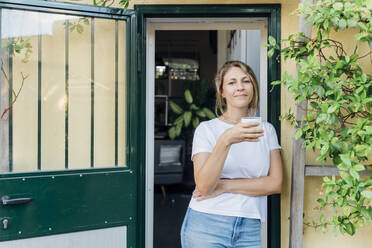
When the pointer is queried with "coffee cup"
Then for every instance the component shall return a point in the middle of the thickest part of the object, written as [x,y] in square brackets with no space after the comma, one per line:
[253,119]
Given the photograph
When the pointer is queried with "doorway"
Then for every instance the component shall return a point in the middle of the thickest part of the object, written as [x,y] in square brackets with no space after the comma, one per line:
[185,54]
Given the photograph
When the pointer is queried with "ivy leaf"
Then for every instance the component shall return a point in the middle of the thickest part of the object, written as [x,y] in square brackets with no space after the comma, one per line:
[346,176]
[346,159]
[365,214]
[299,133]
[359,167]
[354,174]
[332,109]
[350,229]
[270,53]
[272,40]
[338,6]
[342,24]
[367,193]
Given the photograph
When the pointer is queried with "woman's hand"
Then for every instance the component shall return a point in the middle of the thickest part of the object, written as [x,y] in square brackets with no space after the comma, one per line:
[219,189]
[243,131]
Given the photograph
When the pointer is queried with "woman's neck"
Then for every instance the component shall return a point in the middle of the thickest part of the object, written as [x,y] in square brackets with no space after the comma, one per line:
[234,116]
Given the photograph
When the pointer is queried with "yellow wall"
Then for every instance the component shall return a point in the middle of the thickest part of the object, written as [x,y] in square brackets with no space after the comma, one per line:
[362,238]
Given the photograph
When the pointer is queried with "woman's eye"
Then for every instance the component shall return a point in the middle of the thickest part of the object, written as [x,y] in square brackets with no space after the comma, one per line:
[246,81]
[230,82]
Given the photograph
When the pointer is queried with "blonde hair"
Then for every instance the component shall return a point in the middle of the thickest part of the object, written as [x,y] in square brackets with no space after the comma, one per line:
[220,103]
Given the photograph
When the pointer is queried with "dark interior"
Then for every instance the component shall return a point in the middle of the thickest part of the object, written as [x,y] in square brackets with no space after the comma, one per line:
[184,60]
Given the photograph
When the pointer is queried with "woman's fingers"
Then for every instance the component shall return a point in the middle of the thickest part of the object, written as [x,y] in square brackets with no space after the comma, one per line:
[252,130]
[249,124]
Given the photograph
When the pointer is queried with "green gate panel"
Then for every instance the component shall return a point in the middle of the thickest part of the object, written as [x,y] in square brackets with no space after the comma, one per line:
[68,202]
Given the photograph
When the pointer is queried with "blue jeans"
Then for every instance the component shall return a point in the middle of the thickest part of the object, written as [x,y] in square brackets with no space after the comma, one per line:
[203,230]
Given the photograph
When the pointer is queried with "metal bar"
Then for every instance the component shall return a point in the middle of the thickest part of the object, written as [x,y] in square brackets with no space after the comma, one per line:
[66,89]
[92,95]
[116,88]
[10,105]
[39,104]
[56,7]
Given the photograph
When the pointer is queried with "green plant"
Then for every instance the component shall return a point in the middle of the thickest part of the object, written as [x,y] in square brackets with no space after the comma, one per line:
[191,115]
[338,120]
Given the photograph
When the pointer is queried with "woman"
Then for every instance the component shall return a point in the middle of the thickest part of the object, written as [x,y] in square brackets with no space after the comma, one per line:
[236,165]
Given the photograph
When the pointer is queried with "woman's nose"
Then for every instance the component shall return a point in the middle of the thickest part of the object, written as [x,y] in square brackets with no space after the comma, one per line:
[239,86]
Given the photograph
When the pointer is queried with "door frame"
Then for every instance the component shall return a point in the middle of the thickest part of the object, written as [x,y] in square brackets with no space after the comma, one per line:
[134,152]
[144,12]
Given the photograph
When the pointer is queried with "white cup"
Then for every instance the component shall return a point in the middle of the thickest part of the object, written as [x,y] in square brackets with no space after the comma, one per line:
[253,119]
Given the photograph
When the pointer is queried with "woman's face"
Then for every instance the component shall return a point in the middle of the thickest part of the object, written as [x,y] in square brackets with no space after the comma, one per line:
[237,88]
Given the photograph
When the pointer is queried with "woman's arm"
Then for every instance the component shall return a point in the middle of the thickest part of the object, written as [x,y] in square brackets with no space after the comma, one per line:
[267,185]
[208,166]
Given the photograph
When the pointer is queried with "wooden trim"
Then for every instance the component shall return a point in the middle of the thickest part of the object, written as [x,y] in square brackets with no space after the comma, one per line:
[327,170]
[298,162]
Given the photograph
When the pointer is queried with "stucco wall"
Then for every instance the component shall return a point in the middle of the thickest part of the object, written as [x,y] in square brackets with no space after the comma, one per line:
[362,238]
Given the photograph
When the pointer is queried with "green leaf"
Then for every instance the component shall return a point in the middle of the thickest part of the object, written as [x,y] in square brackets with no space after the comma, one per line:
[272,40]
[314,104]
[346,176]
[338,6]
[362,26]
[342,24]
[195,122]
[172,133]
[188,96]
[350,229]
[351,23]
[367,193]
[179,129]
[201,113]
[194,107]
[178,120]
[298,133]
[187,118]
[365,214]
[332,109]
[270,53]
[359,167]
[346,159]
[175,108]
[209,113]
[354,174]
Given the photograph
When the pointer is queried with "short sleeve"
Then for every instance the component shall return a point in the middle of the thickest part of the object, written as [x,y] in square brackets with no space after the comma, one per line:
[202,141]
[272,138]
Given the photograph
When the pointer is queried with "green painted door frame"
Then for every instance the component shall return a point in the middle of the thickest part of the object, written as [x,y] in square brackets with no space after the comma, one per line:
[272,13]
[134,174]
[97,197]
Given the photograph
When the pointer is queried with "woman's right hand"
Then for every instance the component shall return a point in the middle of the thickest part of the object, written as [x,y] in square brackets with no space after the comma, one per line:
[243,131]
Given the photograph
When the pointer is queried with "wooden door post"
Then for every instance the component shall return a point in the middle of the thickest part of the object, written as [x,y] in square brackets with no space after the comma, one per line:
[298,163]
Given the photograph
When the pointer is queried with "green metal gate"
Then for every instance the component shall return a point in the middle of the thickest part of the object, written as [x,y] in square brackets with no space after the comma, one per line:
[71,133]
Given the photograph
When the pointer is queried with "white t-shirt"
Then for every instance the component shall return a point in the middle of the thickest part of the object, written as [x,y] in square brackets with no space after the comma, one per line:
[244,160]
